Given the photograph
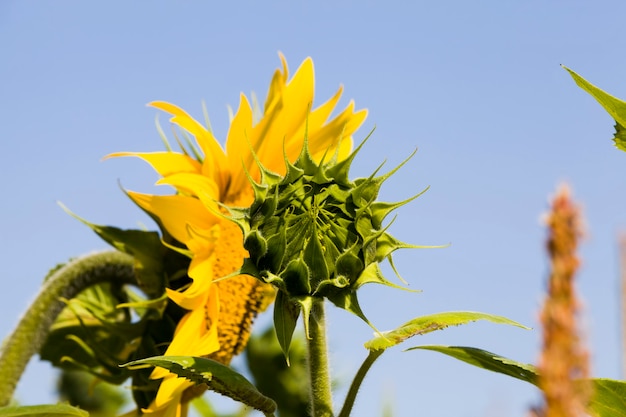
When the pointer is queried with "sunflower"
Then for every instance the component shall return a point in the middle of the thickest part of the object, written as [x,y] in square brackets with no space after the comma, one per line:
[220,313]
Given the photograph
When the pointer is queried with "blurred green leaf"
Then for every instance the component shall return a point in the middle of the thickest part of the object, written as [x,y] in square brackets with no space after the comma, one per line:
[431,323]
[487,360]
[91,331]
[609,399]
[83,390]
[48,410]
[286,384]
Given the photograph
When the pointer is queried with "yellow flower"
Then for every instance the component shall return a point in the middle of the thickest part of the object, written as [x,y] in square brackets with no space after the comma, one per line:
[220,314]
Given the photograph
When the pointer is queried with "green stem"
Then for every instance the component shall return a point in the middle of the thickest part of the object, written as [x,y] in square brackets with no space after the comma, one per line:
[319,377]
[358,379]
[32,330]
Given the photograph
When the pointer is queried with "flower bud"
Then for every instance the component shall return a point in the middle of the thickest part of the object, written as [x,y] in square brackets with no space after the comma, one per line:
[315,233]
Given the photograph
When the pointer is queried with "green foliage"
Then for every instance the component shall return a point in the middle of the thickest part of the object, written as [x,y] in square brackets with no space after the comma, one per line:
[218,377]
[92,333]
[431,323]
[614,106]
[609,396]
[97,333]
[88,393]
[49,410]
[286,384]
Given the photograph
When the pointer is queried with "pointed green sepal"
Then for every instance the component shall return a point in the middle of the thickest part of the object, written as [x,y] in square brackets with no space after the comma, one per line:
[348,301]
[256,245]
[381,209]
[341,170]
[373,275]
[286,314]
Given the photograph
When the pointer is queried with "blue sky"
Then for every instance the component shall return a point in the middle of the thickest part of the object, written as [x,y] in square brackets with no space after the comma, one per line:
[475,86]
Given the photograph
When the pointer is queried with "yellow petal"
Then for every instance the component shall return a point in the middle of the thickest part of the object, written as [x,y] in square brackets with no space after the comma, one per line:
[196,333]
[170,393]
[168,210]
[238,143]
[341,127]
[285,118]
[277,84]
[215,164]
[298,97]
[165,163]
[197,294]
[196,185]
[320,115]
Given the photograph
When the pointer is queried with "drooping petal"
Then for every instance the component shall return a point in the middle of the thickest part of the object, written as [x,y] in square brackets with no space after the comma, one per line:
[196,333]
[168,209]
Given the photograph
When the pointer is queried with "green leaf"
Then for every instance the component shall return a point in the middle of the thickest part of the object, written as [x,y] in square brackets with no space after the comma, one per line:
[427,324]
[144,246]
[218,377]
[614,106]
[487,360]
[48,410]
[609,396]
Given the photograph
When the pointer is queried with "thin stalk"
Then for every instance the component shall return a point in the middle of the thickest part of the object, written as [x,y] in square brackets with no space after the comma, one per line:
[358,380]
[32,330]
[319,376]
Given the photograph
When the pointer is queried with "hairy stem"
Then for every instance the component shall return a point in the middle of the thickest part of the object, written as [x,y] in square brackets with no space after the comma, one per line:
[319,377]
[358,379]
[32,330]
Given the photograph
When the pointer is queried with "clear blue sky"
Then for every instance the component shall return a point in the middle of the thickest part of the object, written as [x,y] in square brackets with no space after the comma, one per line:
[476,86]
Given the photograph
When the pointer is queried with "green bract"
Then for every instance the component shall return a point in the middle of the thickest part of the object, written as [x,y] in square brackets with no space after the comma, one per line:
[314,233]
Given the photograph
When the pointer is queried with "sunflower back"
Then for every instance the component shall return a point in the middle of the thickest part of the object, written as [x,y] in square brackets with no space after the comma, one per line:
[314,233]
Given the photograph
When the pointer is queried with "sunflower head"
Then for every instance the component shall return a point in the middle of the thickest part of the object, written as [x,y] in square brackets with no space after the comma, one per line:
[314,233]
